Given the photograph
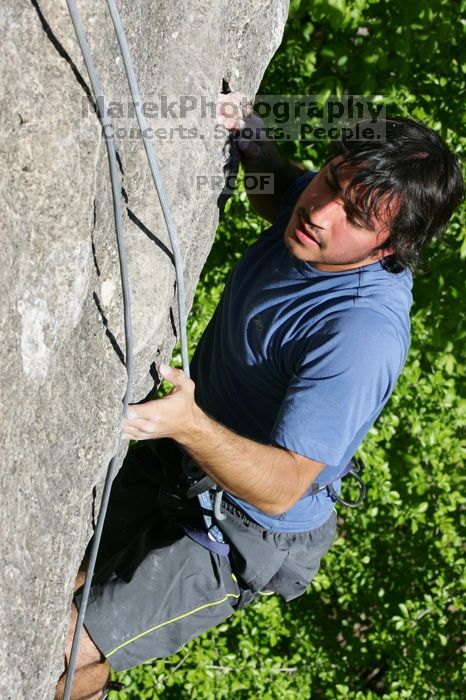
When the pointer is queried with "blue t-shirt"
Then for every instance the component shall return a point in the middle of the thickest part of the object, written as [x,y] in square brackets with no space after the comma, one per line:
[302,358]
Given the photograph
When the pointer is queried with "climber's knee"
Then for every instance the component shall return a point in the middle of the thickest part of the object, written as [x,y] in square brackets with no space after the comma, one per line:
[88,652]
[92,669]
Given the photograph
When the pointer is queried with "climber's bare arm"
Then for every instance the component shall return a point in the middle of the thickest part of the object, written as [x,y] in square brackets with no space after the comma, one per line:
[258,154]
[270,478]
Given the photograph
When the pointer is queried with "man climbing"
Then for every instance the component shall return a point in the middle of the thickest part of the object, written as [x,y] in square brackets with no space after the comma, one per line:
[296,364]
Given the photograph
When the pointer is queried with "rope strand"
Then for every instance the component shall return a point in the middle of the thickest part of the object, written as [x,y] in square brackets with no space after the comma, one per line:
[117,209]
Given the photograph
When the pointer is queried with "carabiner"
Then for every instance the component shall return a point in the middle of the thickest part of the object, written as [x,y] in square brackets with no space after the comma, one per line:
[363,489]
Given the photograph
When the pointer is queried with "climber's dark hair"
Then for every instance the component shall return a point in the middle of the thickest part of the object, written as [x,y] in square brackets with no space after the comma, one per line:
[411,174]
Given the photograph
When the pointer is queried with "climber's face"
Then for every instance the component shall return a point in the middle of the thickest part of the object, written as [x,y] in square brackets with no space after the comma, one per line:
[319,231]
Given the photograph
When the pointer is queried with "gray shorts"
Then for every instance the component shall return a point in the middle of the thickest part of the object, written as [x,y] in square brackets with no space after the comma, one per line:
[156,589]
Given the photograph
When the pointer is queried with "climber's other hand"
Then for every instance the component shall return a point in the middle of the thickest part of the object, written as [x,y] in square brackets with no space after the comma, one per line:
[235,113]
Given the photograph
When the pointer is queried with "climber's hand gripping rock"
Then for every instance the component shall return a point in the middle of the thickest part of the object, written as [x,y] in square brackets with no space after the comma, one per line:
[234,113]
[172,416]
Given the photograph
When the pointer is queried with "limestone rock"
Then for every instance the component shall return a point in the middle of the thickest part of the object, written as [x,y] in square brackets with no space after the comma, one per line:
[62,346]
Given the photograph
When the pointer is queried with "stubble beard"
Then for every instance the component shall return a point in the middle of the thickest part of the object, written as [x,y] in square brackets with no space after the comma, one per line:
[318,260]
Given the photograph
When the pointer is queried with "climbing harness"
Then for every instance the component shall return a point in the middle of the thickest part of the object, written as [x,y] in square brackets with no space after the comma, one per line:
[210,499]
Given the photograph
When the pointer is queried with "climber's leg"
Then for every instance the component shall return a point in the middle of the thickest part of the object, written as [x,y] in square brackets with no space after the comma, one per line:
[92,669]
[178,591]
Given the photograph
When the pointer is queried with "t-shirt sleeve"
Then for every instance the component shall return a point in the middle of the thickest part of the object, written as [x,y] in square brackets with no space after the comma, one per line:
[342,379]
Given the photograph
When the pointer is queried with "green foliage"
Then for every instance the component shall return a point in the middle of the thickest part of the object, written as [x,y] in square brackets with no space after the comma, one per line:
[383,618]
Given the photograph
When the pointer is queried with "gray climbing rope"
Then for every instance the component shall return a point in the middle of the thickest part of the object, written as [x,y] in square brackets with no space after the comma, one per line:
[155,171]
[204,498]
[117,209]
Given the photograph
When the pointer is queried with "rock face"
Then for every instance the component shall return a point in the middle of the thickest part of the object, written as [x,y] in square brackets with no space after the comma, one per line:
[62,348]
